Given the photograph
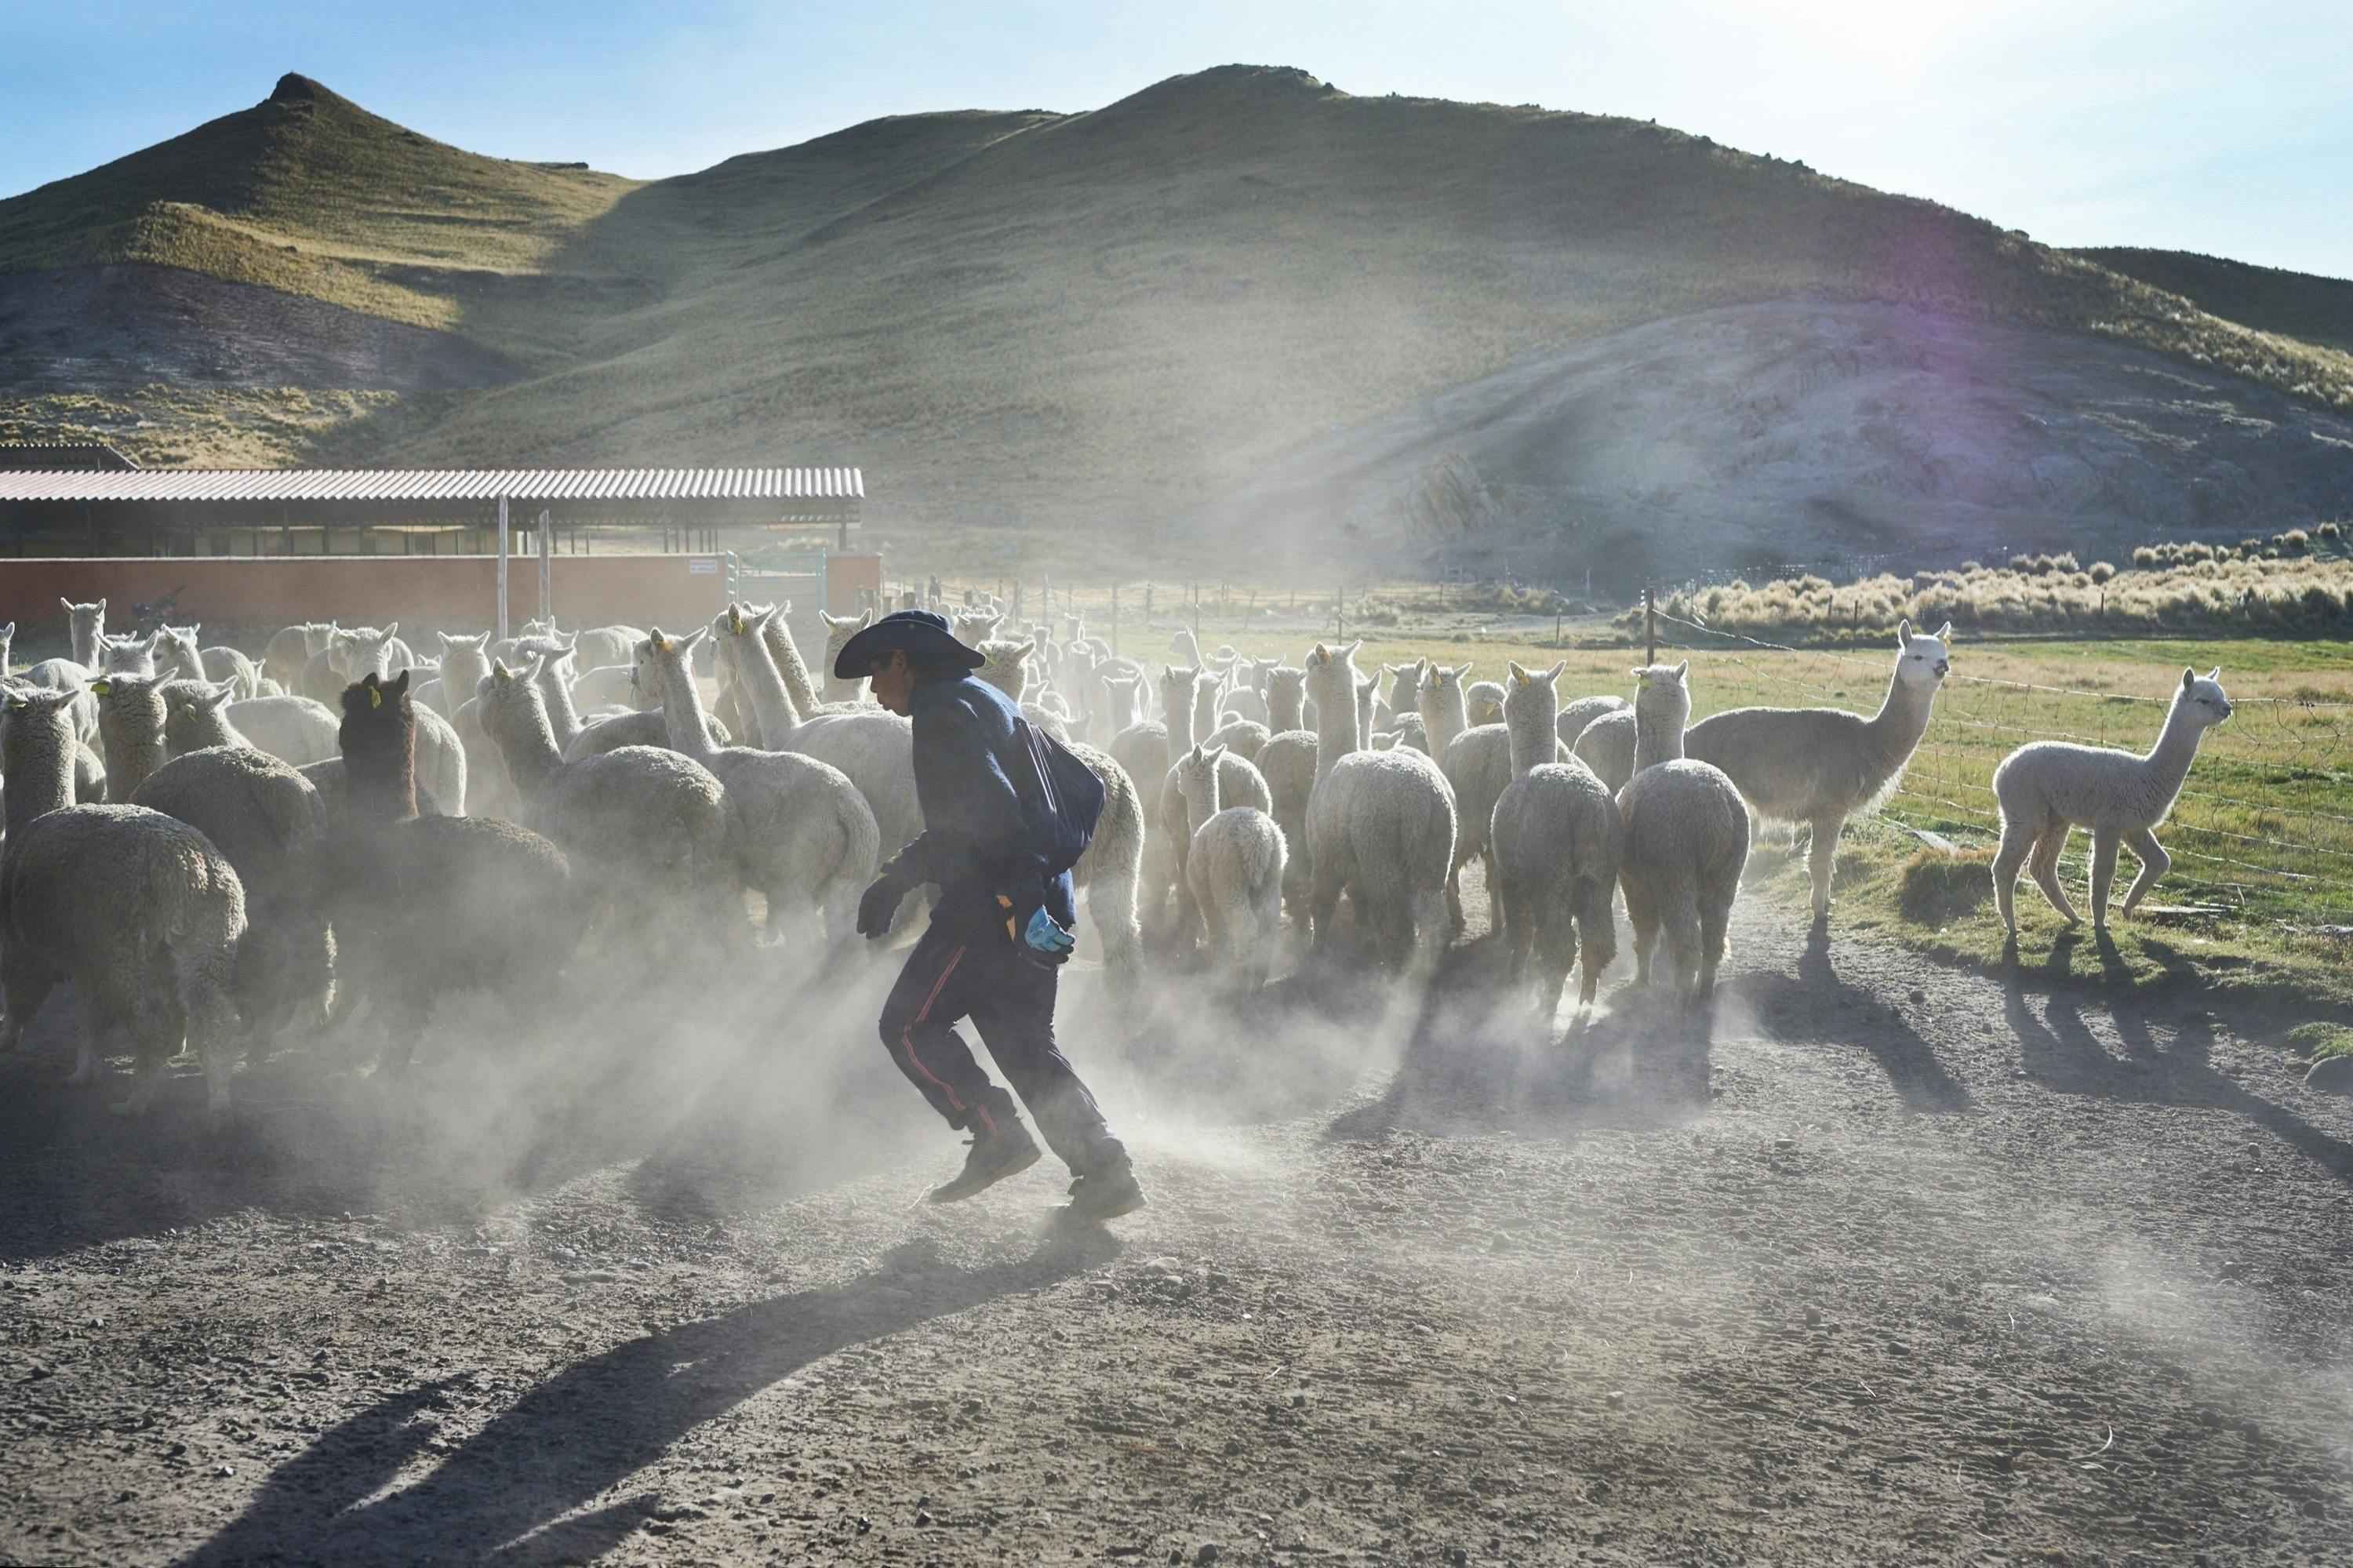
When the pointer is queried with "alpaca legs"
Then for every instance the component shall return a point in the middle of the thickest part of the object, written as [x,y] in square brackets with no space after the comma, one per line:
[1324,903]
[90,1059]
[1819,854]
[2154,864]
[24,986]
[1597,937]
[2104,874]
[2044,867]
[1682,936]
[1643,915]
[2017,843]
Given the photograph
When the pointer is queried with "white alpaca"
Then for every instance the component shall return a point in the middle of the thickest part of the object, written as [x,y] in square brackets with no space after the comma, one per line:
[1380,824]
[1686,839]
[1557,842]
[1823,766]
[1235,866]
[2050,787]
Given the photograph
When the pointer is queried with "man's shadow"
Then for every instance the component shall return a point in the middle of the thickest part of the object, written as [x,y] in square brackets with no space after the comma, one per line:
[590,1427]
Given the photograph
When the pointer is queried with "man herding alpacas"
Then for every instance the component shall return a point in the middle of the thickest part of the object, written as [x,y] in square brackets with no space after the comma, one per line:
[1006,814]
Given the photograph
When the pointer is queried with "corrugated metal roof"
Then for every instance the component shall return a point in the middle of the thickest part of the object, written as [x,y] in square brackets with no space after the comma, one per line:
[524,486]
[51,456]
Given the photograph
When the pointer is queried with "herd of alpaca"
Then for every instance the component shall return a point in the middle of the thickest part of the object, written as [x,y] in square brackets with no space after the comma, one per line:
[214,848]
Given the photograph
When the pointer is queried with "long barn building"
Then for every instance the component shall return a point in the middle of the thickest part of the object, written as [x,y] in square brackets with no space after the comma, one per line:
[237,545]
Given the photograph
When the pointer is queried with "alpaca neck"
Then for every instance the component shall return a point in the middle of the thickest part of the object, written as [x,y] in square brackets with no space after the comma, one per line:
[786,655]
[133,743]
[380,777]
[760,681]
[1200,808]
[38,761]
[1900,722]
[563,716]
[526,743]
[181,661]
[200,731]
[1286,708]
[682,703]
[1534,741]
[1338,729]
[1444,715]
[1658,734]
[1180,730]
[1123,708]
[1204,707]
[88,643]
[2168,762]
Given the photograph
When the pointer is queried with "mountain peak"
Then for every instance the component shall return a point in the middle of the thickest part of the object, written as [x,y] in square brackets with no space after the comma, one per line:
[296,88]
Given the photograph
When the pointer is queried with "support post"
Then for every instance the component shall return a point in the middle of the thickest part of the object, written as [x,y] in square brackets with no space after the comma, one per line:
[1649,628]
[1114,620]
[502,568]
[546,569]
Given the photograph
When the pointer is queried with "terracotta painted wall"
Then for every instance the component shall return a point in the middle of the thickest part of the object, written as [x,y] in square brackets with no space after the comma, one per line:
[233,595]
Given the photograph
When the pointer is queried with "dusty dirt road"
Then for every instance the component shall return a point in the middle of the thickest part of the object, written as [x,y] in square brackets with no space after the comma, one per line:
[1881,1264]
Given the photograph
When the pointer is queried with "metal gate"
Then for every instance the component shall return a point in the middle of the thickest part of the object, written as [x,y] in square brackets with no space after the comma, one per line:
[767,575]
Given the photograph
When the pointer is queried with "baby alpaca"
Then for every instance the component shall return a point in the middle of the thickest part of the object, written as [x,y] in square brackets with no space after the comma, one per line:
[2049,786]
[1235,868]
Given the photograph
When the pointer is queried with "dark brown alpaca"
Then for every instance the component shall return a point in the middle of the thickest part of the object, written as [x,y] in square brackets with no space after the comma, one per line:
[430,904]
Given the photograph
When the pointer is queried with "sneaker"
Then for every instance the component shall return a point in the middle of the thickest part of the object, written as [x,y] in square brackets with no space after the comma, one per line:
[992,1159]
[1104,1195]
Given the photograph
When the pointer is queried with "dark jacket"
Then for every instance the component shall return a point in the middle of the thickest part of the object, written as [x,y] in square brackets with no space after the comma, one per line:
[974,847]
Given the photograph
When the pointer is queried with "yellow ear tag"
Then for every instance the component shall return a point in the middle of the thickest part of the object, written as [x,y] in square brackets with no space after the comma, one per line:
[1643,679]
[101,688]
[1521,676]
[375,698]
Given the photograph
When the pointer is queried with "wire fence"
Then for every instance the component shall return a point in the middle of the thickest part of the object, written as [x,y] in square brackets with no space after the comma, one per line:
[2262,828]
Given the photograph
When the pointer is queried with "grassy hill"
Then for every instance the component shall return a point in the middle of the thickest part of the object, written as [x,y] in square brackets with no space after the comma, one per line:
[2268,298]
[1102,319]
[308,193]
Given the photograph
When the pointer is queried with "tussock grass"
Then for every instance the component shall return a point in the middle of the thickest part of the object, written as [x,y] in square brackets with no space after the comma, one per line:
[2267,586]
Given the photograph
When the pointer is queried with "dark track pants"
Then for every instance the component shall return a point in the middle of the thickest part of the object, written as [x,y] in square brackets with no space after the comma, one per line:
[954,975]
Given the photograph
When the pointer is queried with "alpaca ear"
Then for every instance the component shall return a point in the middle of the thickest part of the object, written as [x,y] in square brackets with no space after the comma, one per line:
[1462,673]
[218,696]
[1683,668]
[1945,632]
[1349,651]
[2215,675]
[1321,655]
[1551,674]
[1215,754]
[1904,633]
[399,683]
[2189,678]
[691,643]
[1196,751]
[70,606]
[101,607]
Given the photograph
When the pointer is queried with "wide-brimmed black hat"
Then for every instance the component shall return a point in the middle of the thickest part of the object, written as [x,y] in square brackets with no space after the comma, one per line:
[916,630]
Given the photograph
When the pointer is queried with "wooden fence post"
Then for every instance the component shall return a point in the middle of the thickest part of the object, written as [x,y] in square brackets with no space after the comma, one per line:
[1649,628]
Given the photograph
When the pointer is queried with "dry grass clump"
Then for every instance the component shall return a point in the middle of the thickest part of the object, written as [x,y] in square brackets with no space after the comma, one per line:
[2197,589]
[1935,886]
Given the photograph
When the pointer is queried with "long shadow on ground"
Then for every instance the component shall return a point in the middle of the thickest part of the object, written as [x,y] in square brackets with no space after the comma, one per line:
[588,1429]
[1478,1059]
[2060,1050]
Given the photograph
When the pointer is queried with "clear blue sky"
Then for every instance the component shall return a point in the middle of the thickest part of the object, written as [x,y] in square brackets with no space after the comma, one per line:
[2226,127]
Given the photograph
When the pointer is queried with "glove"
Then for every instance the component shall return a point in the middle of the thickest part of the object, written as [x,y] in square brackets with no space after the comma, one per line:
[879,909]
[1041,939]
[1046,936]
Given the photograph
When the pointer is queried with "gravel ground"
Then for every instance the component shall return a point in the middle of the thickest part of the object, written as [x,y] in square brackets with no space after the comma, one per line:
[1876,1263]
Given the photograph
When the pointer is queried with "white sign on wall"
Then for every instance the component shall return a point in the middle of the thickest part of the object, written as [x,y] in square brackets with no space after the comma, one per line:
[702,569]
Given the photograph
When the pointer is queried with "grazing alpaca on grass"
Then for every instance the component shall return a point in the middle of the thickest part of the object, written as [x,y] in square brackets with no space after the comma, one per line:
[1825,766]
[2050,787]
